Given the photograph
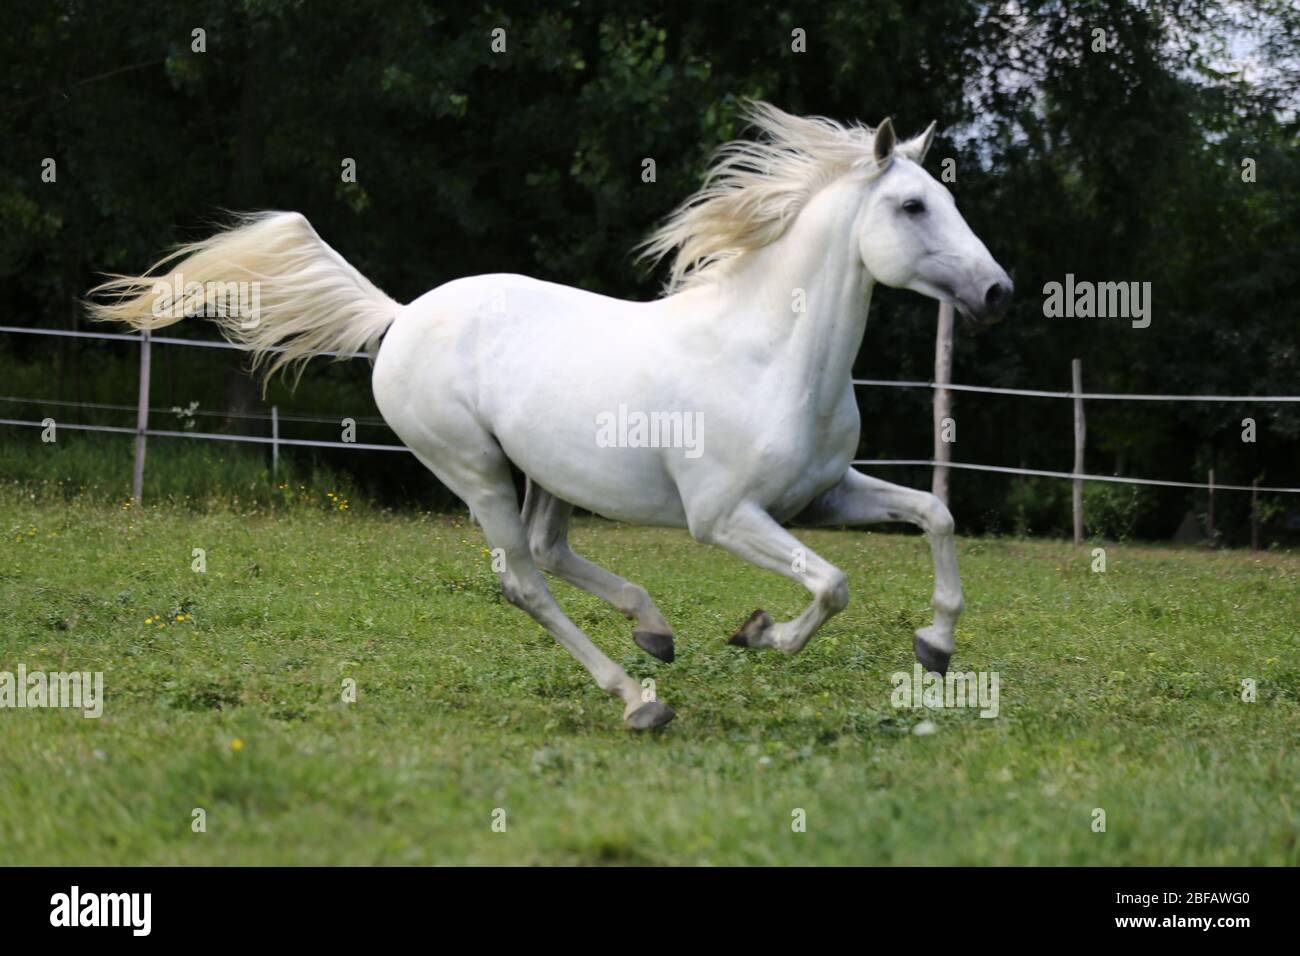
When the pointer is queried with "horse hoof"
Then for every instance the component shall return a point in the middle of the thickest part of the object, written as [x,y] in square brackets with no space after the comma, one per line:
[931,658]
[656,645]
[649,716]
[752,629]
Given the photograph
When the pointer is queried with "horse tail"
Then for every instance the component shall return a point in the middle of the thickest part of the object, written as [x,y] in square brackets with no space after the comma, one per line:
[293,296]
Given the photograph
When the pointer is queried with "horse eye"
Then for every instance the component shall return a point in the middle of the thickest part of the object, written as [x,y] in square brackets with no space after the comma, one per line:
[914,207]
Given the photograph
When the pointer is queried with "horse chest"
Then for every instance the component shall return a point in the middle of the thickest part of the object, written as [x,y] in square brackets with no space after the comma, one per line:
[805,464]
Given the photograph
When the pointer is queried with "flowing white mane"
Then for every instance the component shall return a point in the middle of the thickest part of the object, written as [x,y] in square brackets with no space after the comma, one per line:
[754,190]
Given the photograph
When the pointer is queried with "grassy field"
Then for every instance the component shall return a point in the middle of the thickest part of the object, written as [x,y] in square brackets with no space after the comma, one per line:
[1118,690]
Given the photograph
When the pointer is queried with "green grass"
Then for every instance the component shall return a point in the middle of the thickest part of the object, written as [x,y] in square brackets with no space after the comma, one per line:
[1118,690]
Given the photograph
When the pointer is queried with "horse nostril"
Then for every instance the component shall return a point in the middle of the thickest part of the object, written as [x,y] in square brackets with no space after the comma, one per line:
[996,296]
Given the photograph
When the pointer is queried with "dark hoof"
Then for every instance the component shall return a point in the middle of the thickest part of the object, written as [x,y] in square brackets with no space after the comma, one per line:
[649,716]
[752,629]
[930,658]
[656,645]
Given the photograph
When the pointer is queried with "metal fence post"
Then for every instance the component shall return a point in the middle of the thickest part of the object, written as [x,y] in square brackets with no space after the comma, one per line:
[141,420]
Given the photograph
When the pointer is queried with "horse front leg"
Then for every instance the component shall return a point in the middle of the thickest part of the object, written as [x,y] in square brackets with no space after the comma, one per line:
[860,499]
[749,532]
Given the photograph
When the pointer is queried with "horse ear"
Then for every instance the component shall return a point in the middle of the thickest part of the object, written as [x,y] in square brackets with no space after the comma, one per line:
[885,141]
[916,147]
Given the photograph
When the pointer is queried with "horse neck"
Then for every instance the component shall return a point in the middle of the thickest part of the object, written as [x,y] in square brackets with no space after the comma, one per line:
[817,257]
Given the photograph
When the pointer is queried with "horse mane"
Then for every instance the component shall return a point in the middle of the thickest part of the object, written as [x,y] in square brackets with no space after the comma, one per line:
[754,189]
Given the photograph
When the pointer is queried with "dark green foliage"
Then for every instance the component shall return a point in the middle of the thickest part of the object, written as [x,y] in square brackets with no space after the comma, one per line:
[1115,166]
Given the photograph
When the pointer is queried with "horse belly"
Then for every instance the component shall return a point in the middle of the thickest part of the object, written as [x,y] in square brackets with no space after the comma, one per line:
[622,484]
[555,408]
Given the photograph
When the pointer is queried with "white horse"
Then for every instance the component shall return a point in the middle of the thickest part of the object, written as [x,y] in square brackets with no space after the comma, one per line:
[752,344]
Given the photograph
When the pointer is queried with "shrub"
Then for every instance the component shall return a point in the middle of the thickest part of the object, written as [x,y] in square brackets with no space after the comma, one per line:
[1039,506]
[1111,510]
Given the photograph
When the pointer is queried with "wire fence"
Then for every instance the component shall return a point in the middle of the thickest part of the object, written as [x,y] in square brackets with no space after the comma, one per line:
[1087,396]
[162,340]
[210,436]
[142,430]
[185,412]
[1117,479]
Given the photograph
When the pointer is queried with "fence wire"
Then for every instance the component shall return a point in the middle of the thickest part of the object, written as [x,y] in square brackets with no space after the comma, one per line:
[363,446]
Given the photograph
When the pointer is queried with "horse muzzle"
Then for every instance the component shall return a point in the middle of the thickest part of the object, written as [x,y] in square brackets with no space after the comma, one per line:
[986,302]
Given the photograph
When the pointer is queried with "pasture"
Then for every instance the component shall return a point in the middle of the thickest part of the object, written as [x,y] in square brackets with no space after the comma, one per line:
[1118,690]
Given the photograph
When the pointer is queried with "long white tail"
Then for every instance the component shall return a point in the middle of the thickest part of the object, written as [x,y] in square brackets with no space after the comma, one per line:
[269,282]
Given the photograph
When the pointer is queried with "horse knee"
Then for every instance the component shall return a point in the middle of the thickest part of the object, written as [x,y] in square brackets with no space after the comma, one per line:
[938,519]
[543,554]
[523,593]
[834,593]
[514,594]
[548,551]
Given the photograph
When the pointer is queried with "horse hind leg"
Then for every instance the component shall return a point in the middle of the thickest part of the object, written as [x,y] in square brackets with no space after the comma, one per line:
[547,520]
[487,488]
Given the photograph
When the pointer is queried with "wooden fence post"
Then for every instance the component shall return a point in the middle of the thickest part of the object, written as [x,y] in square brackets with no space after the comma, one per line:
[141,420]
[1254,514]
[1080,435]
[1209,514]
[275,439]
[942,401]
